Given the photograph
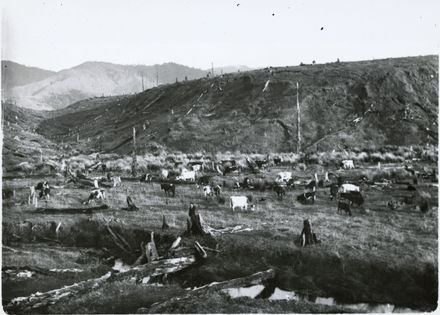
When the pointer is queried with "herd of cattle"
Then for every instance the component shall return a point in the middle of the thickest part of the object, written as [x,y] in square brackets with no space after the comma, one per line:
[347,194]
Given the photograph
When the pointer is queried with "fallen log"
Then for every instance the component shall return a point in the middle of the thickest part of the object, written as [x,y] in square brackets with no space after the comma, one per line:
[136,274]
[70,210]
[253,279]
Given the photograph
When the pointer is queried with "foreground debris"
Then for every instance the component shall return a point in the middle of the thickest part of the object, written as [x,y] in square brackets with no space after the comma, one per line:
[135,274]
[253,279]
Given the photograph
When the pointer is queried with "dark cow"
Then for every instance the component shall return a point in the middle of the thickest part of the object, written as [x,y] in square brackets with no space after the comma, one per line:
[246,183]
[204,180]
[276,160]
[44,189]
[217,190]
[168,188]
[305,198]
[262,163]
[355,197]
[344,205]
[290,184]
[312,184]
[280,191]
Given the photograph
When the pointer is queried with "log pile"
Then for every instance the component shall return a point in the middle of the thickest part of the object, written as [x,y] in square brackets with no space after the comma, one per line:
[137,274]
[88,210]
[247,281]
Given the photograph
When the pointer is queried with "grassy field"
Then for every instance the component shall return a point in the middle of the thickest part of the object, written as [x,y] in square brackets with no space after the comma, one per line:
[377,256]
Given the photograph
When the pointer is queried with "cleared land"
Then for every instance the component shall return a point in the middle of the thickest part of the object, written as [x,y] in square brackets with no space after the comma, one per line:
[377,256]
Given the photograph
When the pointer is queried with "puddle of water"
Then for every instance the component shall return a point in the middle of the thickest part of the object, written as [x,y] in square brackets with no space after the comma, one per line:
[278,294]
[67,270]
[251,292]
[24,274]
[120,266]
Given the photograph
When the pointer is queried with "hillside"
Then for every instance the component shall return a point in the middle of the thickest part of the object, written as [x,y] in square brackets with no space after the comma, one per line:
[15,74]
[353,104]
[93,79]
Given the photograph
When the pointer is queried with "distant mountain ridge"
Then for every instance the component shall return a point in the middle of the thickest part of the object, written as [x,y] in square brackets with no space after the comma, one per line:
[55,90]
[15,74]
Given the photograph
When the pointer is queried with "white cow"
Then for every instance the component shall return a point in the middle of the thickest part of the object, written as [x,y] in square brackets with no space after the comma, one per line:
[347,164]
[238,202]
[348,187]
[283,177]
[164,173]
[207,190]
[187,175]
[95,195]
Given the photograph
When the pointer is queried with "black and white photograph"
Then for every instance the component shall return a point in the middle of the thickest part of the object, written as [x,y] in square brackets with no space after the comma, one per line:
[219,157]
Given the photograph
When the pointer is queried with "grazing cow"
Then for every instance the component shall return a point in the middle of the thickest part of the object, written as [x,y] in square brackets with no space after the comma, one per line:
[43,188]
[305,198]
[280,191]
[217,190]
[168,188]
[246,183]
[238,202]
[146,178]
[164,173]
[231,169]
[204,180]
[348,188]
[95,195]
[283,177]
[276,160]
[347,164]
[207,191]
[116,181]
[354,197]
[187,175]
[262,163]
[344,205]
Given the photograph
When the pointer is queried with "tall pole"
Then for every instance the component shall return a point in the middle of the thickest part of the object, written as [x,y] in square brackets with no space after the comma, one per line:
[298,126]
[157,77]
[212,69]
[143,82]
[134,161]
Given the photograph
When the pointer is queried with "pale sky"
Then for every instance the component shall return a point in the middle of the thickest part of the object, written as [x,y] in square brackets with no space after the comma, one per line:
[59,34]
